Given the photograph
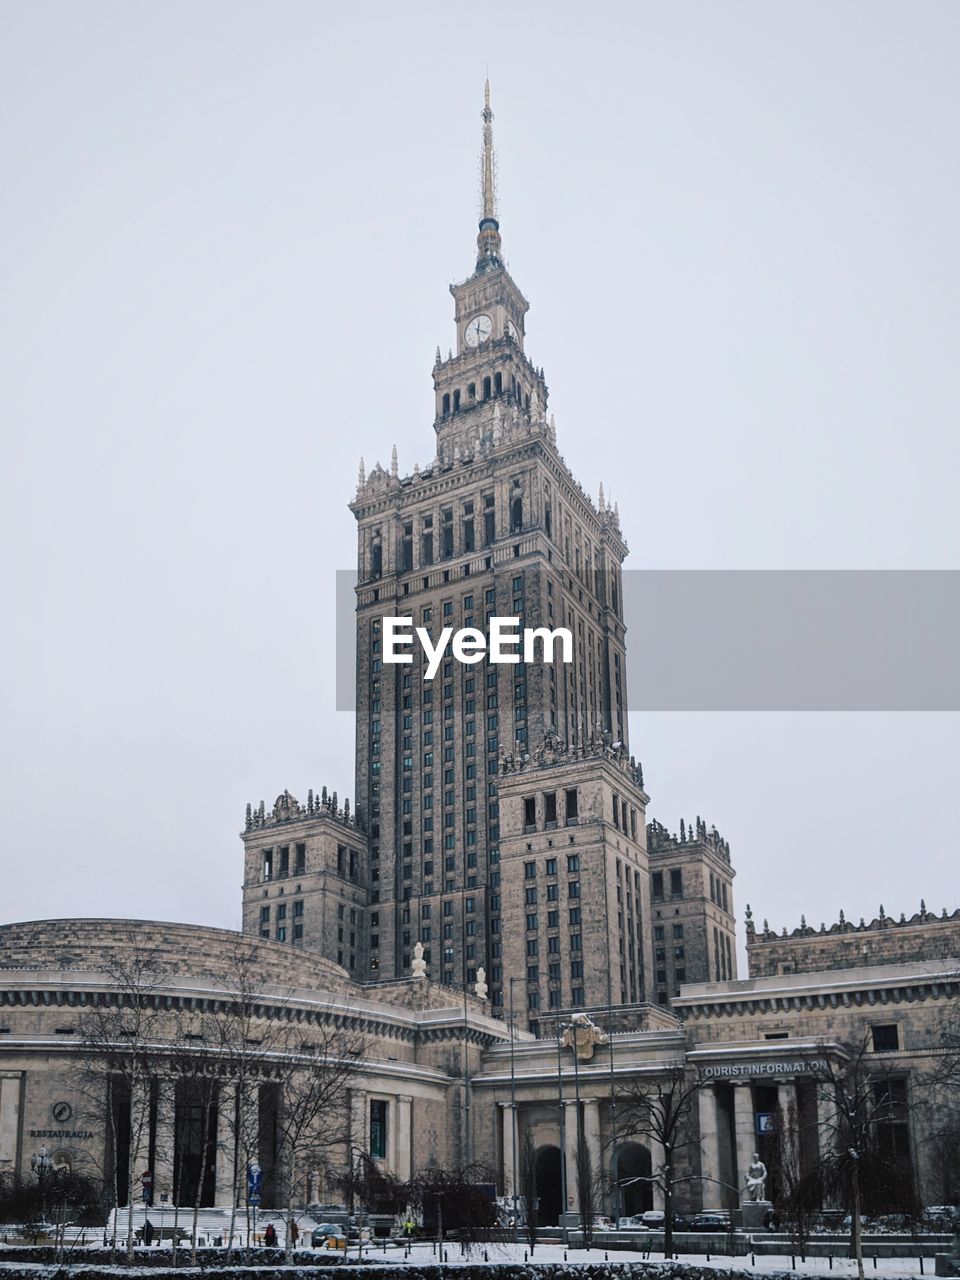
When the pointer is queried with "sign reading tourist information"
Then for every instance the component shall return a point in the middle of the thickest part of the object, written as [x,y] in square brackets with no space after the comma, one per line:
[730,1070]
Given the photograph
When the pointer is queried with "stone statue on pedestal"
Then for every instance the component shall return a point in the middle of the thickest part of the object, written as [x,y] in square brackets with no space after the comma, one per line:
[756,1180]
[418,967]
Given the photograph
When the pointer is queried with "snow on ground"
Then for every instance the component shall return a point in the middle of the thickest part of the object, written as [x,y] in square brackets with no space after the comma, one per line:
[422,1253]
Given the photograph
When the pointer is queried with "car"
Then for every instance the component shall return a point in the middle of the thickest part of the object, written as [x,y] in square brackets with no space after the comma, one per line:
[630,1223]
[653,1220]
[324,1232]
[941,1214]
[709,1222]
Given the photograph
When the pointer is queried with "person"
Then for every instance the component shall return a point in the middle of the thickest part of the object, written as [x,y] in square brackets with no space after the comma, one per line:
[147,1232]
[293,1235]
[408,1228]
[270,1236]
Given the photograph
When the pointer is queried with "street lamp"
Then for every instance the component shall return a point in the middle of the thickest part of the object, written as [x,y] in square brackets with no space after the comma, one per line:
[42,1164]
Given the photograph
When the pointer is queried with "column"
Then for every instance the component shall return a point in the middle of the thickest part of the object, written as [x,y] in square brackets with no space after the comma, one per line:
[249,1118]
[658,1158]
[11,1087]
[744,1125]
[591,1133]
[712,1192]
[828,1125]
[507,1112]
[226,1190]
[163,1152]
[400,1156]
[359,1135]
[570,1154]
[788,1116]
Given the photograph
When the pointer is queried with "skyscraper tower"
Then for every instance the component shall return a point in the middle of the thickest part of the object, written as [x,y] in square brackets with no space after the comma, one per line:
[495,525]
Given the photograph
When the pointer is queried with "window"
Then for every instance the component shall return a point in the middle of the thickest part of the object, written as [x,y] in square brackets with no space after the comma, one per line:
[886,1039]
[657,886]
[378,1129]
[529,870]
[529,813]
[676,883]
[550,808]
[571,804]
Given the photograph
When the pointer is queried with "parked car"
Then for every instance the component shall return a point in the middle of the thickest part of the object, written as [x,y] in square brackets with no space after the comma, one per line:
[653,1220]
[709,1222]
[328,1235]
[941,1215]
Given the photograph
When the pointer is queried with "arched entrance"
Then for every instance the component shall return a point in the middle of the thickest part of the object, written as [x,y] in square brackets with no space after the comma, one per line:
[633,1163]
[548,1186]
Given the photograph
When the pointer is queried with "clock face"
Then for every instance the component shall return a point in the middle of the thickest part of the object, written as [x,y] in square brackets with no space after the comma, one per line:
[478,330]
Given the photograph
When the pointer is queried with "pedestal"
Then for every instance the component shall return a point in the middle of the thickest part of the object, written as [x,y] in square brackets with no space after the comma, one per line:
[755,1214]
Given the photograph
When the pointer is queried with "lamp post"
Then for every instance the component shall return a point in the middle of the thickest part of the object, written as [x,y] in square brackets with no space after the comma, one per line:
[563,1141]
[514,1127]
[42,1164]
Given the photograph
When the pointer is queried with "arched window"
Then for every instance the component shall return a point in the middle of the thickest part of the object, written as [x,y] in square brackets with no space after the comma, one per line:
[516,514]
[446,403]
[472,391]
[498,384]
[486,388]
[456,401]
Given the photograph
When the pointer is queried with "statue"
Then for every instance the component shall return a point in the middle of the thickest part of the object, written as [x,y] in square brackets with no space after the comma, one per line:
[481,987]
[418,968]
[756,1180]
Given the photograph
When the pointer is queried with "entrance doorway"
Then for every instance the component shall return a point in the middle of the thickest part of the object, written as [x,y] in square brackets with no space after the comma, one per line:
[548,1186]
[633,1163]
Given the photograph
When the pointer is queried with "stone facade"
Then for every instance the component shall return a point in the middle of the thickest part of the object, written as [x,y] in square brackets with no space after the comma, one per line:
[845,945]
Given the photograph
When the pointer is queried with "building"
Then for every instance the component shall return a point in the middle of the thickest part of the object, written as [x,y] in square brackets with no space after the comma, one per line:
[495,526]
[518,944]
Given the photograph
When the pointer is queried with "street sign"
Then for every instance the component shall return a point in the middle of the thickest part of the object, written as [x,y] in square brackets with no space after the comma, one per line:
[766,1123]
[147,1180]
[254,1183]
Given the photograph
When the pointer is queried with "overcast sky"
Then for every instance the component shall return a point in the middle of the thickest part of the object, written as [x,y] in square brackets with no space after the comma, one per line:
[226,236]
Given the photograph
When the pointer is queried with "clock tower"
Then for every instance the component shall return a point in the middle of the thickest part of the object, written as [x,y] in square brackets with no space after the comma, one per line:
[489,363]
[494,525]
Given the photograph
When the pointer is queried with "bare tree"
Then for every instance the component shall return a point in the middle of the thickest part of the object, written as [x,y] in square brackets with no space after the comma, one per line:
[313,1114]
[800,1190]
[586,1186]
[528,1188]
[862,1166]
[245,1042]
[123,1044]
[658,1110]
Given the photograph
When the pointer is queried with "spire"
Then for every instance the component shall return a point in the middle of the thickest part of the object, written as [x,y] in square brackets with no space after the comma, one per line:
[488,241]
[489,191]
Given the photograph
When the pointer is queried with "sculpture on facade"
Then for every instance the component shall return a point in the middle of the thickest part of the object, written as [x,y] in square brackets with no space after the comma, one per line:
[481,987]
[582,1036]
[418,967]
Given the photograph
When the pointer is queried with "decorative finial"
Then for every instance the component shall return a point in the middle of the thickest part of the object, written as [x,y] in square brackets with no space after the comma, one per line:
[438,360]
[362,477]
[602,504]
[394,466]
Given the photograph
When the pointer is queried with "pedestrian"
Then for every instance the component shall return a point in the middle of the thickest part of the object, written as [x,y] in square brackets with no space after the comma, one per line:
[270,1236]
[147,1232]
[294,1233]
